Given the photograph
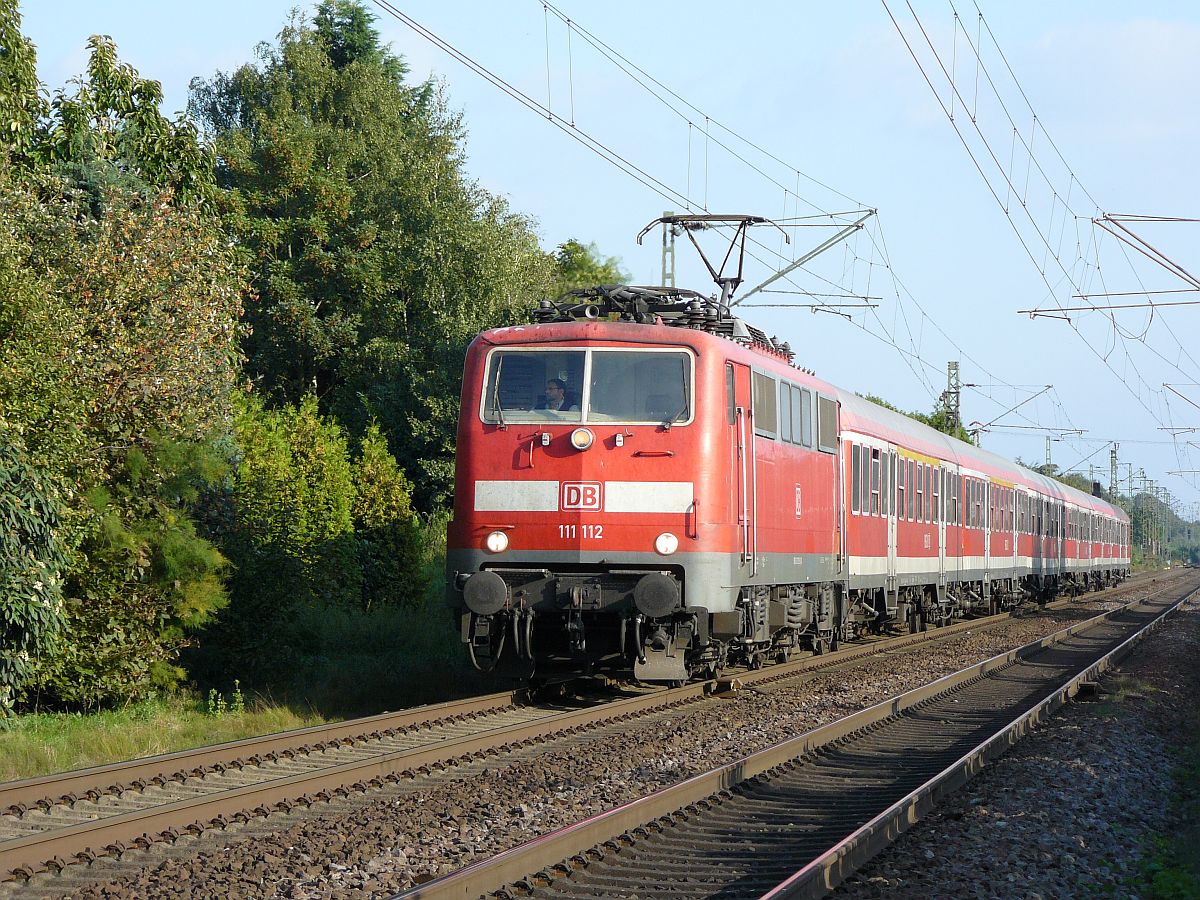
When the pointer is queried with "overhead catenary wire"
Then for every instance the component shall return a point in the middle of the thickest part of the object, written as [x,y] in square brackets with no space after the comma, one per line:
[644,79]
[908,336]
[641,77]
[1084,269]
[671,195]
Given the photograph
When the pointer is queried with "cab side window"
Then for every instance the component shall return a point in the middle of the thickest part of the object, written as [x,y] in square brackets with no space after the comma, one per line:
[766,415]
[730,404]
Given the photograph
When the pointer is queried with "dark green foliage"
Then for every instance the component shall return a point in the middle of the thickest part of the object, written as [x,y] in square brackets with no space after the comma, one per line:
[346,30]
[353,660]
[375,258]
[33,559]
[145,578]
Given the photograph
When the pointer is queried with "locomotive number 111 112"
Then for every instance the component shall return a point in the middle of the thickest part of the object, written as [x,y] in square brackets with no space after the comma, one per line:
[587,532]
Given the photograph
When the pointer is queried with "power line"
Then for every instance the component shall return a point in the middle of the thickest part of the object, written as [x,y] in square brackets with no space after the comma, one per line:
[671,195]
[1006,177]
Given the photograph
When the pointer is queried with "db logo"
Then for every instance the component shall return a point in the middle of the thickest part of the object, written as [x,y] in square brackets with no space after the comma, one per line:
[581,495]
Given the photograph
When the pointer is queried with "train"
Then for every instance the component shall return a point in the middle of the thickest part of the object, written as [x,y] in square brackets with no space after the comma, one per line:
[647,486]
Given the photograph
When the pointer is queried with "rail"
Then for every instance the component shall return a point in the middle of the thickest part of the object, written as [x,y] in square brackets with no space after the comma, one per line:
[788,803]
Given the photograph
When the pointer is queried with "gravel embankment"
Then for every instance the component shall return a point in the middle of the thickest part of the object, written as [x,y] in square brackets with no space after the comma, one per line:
[375,844]
[1068,811]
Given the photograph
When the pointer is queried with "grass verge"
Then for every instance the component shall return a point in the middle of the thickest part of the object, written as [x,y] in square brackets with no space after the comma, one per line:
[41,743]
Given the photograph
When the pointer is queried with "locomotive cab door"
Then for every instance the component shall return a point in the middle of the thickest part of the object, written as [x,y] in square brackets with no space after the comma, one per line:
[741,446]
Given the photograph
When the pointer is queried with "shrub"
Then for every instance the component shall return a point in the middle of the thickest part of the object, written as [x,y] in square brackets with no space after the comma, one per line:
[32,560]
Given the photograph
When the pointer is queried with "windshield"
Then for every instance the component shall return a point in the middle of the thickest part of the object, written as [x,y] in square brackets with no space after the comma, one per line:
[617,386]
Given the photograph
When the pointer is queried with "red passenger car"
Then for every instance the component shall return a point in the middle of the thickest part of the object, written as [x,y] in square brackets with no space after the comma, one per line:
[647,483]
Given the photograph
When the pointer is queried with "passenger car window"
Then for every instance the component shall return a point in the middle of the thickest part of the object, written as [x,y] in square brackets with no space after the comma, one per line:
[874,482]
[800,433]
[806,430]
[855,478]
[827,424]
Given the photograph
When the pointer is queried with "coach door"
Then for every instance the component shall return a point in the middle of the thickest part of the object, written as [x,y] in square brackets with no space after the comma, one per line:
[939,518]
[951,533]
[741,445]
[889,509]
[989,510]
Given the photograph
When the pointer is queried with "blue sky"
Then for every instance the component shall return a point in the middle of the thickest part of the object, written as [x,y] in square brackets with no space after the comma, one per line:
[832,93]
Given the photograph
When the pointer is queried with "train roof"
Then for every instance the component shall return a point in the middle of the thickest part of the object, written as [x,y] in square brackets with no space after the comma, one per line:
[862,415]
[682,315]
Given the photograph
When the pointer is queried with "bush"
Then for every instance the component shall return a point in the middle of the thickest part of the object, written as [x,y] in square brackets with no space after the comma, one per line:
[144,579]
[316,535]
[32,560]
[118,327]
[345,661]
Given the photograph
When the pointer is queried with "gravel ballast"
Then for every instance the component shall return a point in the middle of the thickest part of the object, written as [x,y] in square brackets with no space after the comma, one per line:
[1100,761]
[1069,811]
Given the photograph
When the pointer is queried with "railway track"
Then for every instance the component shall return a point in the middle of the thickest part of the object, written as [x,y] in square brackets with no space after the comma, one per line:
[795,819]
[52,822]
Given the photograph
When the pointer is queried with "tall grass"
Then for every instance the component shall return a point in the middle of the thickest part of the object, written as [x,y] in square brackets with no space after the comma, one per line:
[41,743]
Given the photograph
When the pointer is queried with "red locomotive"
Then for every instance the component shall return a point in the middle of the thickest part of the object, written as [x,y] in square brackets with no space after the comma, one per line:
[646,483]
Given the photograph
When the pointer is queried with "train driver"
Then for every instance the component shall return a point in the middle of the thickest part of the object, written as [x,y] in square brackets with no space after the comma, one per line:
[556,397]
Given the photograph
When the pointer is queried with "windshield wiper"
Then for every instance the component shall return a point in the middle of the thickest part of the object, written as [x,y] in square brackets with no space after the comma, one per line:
[682,413]
[497,409]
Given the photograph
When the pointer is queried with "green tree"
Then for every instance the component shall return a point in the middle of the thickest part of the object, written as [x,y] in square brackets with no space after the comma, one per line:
[120,369]
[109,131]
[144,578]
[581,265]
[294,496]
[936,419]
[119,307]
[347,31]
[388,531]
[22,104]
[375,258]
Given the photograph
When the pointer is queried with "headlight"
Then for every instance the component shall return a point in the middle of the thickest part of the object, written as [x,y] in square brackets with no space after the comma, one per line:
[666,543]
[497,542]
[581,438]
